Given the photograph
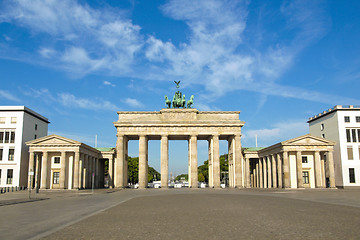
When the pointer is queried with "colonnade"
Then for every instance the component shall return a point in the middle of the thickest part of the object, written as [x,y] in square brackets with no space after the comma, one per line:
[273,170]
[118,168]
[75,170]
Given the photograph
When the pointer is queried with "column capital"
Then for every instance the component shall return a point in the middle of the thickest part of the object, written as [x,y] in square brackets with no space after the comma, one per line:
[120,135]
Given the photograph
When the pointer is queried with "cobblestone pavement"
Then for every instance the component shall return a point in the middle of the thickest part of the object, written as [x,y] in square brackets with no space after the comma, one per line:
[186,214]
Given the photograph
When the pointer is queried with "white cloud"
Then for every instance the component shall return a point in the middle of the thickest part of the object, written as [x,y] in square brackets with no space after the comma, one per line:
[219,53]
[69,100]
[8,96]
[277,133]
[133,102]
[47,52]
[109,83]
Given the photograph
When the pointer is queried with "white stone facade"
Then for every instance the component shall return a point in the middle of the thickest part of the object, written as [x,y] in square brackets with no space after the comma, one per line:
[63,163]
[179,124]
[295,163]
[341,124]
[18,124]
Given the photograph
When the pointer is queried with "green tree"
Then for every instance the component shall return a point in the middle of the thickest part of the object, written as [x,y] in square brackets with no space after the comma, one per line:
[203,170]
[152,173]
[133,170]
[179,177]
[201,177]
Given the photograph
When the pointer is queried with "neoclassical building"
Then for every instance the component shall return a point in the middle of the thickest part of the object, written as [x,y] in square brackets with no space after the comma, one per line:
[57,162]
[179,124]
[302,162]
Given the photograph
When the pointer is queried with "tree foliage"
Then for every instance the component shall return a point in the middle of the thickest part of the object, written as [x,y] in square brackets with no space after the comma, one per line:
[179,177]
[133,171]
[203,170]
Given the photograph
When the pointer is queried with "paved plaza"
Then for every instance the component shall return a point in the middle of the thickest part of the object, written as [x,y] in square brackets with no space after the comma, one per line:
[182,214]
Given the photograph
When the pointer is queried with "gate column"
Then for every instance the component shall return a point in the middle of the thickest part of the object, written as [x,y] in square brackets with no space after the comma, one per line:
[237,159]
[119,163]
[215,161]
[164,148]
[193,171]
[143,151]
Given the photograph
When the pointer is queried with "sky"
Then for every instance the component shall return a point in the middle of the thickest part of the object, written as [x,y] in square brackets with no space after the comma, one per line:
[278,62]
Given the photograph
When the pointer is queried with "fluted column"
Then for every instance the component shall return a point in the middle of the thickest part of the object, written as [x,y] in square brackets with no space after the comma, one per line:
[274,177]
[31,169]
[279,170]
[286,169]
[80,174]
[76,170]
[247,172]
[216,161]
[231,141]
[111,173]
[265,172]
[331,170]
[44,170]
[193,170]
[97,173]
[299,176]
[210,162]
[119,164]
[323,175]
[86,171]
[261,181]
[143,176]
[257,179]
[37,175]
[269,171]
[317,166]
[237,156]
[62,177]
[164,148]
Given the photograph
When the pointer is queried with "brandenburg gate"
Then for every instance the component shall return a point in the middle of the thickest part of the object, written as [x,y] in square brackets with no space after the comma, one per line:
[178,123]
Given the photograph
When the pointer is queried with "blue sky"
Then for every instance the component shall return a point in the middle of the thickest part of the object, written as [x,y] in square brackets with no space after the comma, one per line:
[278,62]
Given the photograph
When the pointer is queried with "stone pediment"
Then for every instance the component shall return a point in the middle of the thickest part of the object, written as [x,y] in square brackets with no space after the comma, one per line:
[307,140]
[53,140]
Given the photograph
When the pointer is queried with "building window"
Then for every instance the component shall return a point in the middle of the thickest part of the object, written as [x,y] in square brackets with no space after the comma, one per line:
[9,179]
[2,120]
[357,118]
[348,135]
[35,127]
[353,131]
[347,119]
[304,159]
[11,154]
[13,120]
[12,137]
[56,160]
[306,177]
[352,175]
[1,154]
[56,178]
[323,135]
[322,127]
[7,137]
